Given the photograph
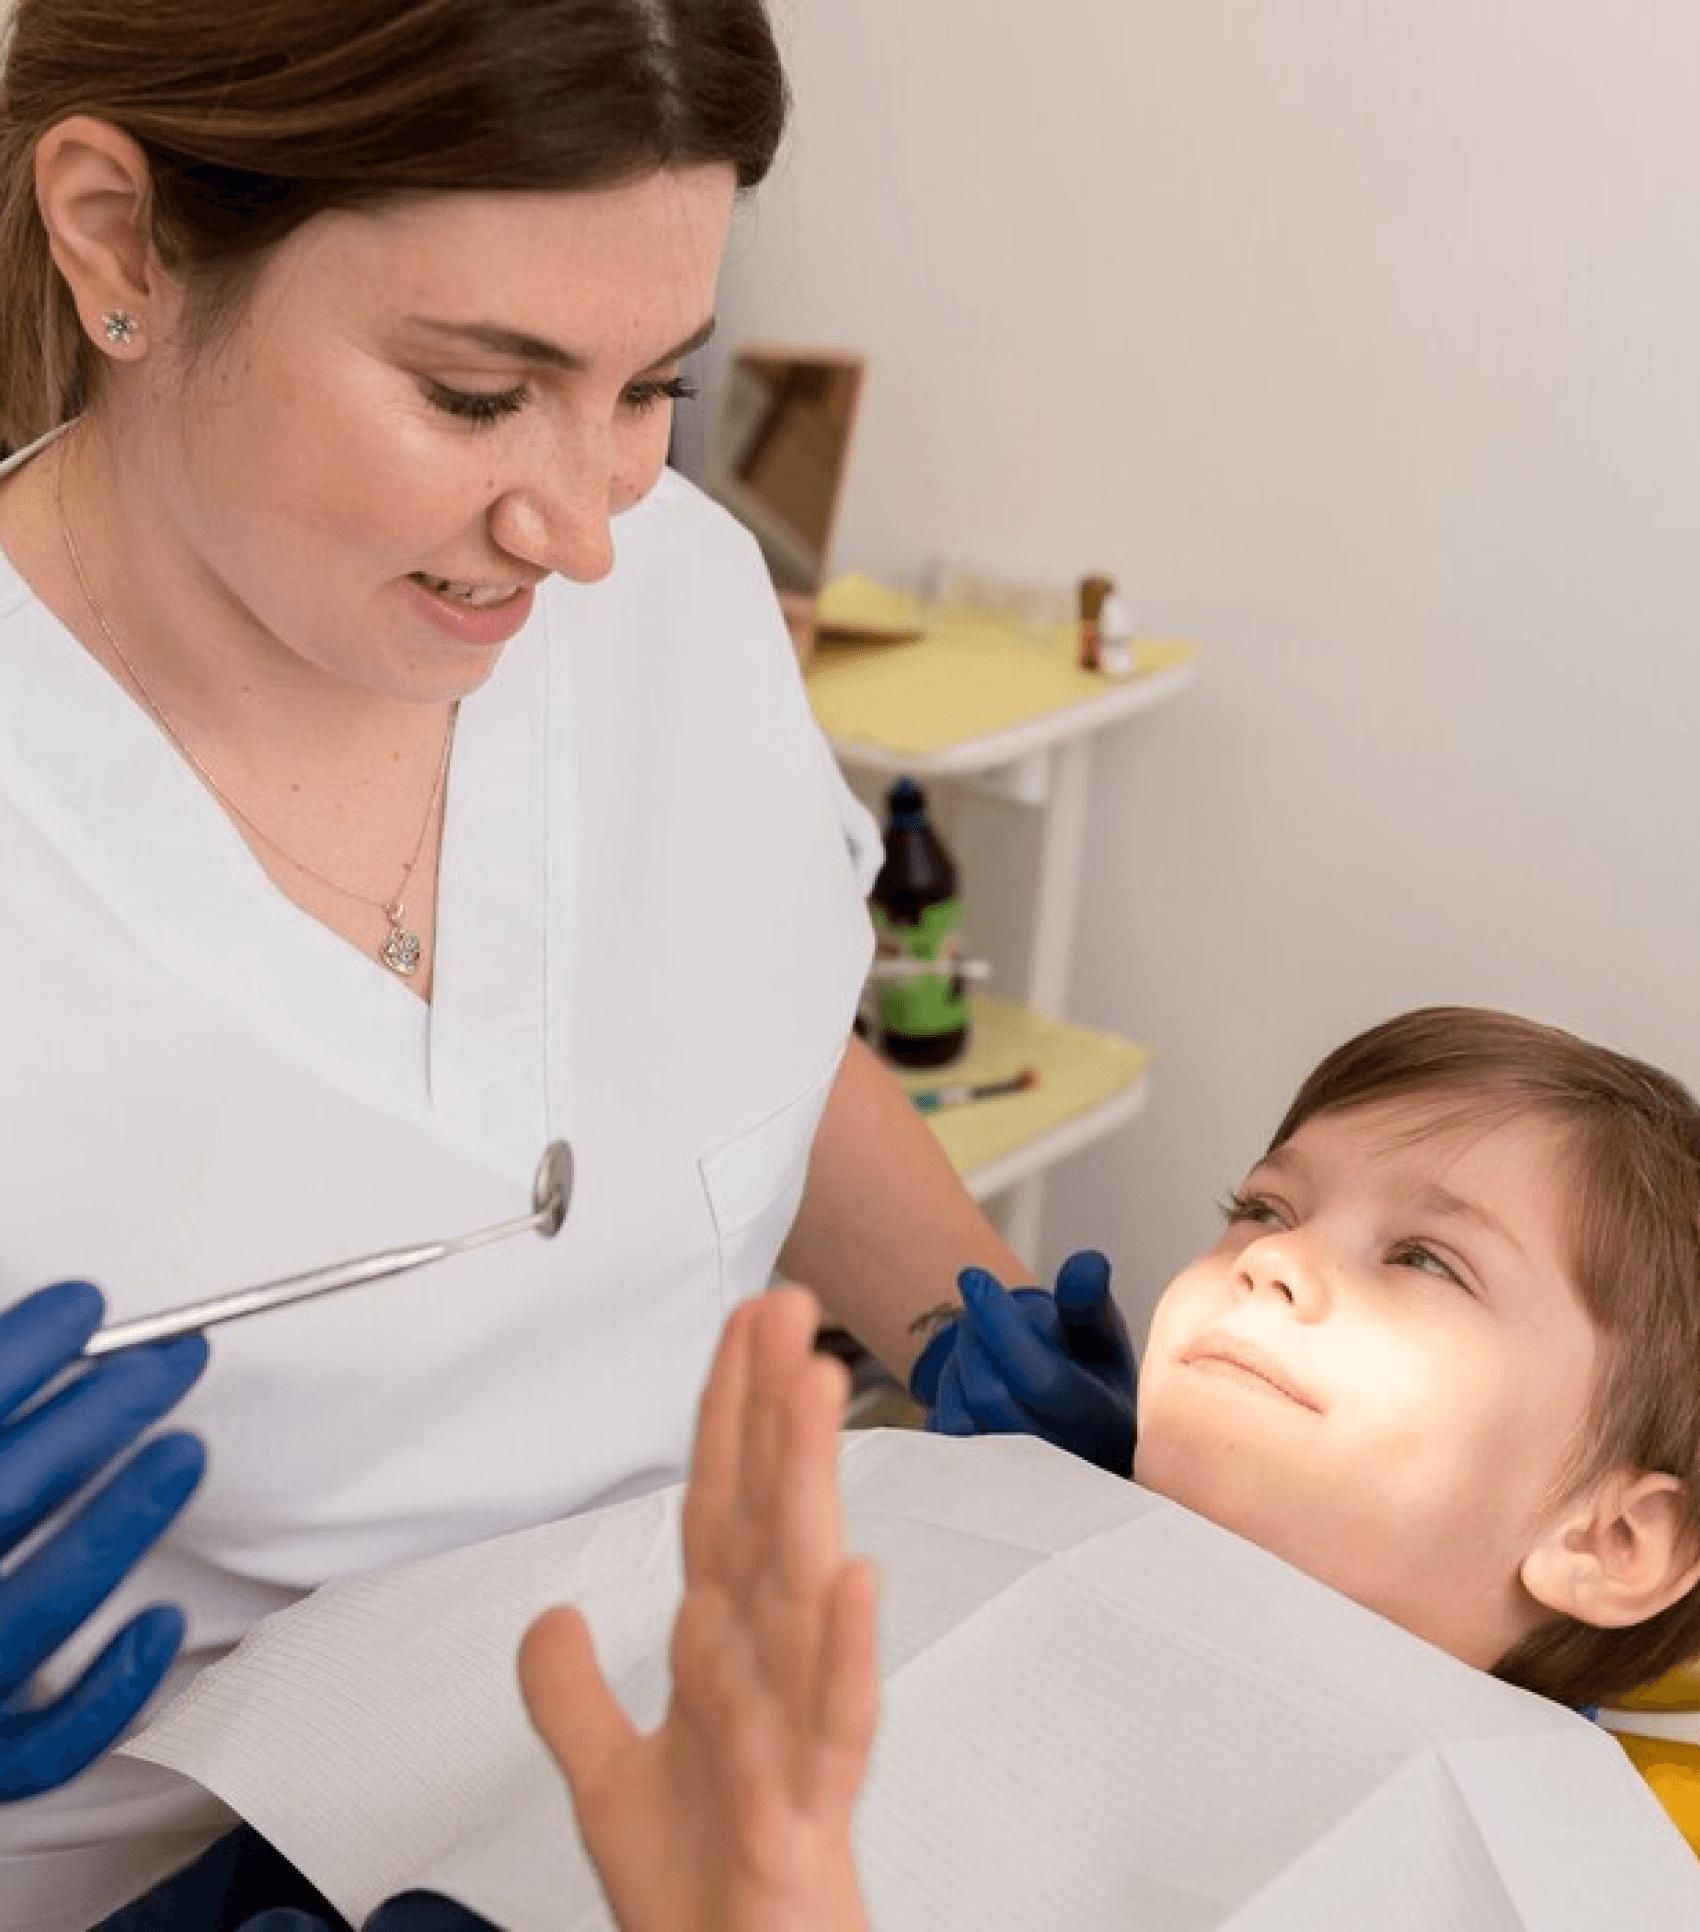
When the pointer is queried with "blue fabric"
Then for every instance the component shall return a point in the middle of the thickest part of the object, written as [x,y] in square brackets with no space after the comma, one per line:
[232,1883]
[426,1912]
[244,1884]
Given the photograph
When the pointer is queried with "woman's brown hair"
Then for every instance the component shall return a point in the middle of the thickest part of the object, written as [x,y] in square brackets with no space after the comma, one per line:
[257,114]
[1630,1192]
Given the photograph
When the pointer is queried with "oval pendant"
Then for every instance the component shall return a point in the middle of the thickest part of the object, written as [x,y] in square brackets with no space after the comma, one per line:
[401,951]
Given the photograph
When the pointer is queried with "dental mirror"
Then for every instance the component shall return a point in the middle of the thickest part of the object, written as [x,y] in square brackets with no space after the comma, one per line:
[551,1193]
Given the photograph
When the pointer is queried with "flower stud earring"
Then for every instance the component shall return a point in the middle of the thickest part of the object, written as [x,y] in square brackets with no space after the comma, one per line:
[121,327]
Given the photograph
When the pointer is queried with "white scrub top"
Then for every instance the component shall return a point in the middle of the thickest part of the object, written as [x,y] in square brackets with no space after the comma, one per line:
[651,938]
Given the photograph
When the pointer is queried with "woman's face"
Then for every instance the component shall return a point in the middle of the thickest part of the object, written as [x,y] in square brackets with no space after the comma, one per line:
[423,412]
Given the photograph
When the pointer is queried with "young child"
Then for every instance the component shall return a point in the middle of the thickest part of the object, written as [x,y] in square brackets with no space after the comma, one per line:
[1443,1357]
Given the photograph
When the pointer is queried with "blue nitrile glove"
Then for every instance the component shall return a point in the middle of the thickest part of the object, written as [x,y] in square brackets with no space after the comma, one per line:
[46,1456]
[1022,1362]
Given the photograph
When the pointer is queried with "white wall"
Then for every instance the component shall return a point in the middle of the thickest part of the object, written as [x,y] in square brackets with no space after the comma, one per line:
[1361,342]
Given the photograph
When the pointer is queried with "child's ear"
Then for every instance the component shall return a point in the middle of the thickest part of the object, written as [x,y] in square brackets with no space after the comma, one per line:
[1618,1554]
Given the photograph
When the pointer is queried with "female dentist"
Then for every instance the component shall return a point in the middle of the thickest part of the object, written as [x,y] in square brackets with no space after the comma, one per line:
[400,769]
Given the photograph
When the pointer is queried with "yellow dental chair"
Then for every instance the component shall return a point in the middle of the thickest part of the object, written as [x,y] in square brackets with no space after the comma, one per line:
[1659,1727]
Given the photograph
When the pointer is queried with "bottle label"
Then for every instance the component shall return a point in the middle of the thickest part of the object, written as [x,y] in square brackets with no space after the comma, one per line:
[922,1003]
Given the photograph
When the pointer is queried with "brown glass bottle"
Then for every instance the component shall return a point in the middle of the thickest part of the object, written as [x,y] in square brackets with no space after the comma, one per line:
[923,1015]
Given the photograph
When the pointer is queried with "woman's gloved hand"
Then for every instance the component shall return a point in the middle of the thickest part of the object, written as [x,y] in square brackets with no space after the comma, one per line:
[47,1454]
[1022,1362]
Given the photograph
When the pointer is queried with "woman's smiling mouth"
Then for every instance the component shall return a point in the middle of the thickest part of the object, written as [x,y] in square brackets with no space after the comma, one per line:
[483,615]
[474,596]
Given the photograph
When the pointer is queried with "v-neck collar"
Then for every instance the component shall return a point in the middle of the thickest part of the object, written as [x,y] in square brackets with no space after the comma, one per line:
[99,778]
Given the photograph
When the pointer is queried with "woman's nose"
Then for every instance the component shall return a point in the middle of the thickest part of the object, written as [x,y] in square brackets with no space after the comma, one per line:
[560,521]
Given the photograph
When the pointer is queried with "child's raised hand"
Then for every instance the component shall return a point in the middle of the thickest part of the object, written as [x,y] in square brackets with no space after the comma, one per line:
[735,1815]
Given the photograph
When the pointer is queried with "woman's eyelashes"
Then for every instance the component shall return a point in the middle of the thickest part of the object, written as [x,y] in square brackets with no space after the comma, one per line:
[642,396]
[479,407]
[482,407]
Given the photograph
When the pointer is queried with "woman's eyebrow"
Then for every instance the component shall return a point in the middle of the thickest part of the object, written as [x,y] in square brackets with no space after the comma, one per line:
[523,347]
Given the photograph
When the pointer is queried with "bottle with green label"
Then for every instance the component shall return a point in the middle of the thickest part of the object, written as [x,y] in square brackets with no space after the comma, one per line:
[923,1013]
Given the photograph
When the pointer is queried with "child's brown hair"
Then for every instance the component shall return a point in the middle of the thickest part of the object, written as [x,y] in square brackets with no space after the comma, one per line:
[1633,1179]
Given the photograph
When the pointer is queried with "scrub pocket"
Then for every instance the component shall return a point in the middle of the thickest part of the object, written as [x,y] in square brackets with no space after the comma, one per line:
[755,1185]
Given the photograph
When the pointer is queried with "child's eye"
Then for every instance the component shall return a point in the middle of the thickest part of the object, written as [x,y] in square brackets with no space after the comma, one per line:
[1251,1208]
[644,396]
[477,406]
[1415,1254]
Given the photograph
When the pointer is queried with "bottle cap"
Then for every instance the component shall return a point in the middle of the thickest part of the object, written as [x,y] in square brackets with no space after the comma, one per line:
[907,804]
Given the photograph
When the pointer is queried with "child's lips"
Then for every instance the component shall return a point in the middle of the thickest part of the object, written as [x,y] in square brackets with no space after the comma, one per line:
[1231,1357]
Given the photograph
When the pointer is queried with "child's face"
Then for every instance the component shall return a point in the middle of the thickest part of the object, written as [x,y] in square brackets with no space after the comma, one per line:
[1379,1369]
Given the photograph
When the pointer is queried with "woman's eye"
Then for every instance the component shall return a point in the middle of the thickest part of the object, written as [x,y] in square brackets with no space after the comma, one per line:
[644,396]
[477,406]
[1414,1254]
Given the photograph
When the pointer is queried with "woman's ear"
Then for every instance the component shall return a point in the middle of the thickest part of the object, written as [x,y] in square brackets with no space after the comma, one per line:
[1617,1555]
[91,185]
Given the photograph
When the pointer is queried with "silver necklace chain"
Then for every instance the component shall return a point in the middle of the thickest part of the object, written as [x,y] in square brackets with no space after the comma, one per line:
[402,950]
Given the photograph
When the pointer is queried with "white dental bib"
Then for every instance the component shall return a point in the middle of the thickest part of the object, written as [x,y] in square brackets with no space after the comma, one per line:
[1098,1711]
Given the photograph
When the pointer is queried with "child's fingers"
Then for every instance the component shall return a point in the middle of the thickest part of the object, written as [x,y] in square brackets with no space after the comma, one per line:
[710,1661]
[781,1346]
[809,1515]
[711,1493]
[767,1528]
[724,1702]
[794,1550]
[568,1701]
[846,1703]
[774,1754]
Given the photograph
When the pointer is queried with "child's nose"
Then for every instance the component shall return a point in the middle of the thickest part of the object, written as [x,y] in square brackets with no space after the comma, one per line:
[1281,1263]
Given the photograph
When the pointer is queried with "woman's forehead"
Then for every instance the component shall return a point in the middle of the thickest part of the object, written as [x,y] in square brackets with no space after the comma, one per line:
[566,267]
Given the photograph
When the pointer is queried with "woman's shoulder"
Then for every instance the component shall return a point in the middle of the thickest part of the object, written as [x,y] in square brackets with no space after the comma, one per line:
[28,530]
[19,603]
